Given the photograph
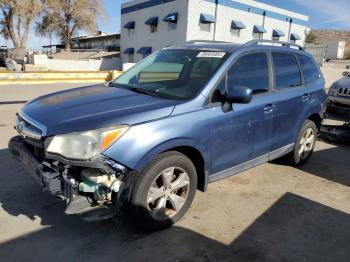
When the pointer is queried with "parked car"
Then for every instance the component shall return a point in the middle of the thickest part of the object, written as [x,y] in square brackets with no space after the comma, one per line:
[338,99]
[180,119]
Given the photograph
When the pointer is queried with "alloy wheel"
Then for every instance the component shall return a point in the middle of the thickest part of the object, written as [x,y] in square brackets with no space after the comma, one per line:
[168,193]
[306,143]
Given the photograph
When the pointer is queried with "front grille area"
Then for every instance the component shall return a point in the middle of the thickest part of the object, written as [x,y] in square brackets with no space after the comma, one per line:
[337,104]
[344,91]
[36,147]
[26,128]
[28,125]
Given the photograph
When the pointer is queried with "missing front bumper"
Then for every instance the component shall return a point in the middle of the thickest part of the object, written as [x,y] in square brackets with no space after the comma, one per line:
[59,184]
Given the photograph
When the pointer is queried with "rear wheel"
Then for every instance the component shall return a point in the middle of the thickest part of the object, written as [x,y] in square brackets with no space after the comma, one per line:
[304,145]
[163,191]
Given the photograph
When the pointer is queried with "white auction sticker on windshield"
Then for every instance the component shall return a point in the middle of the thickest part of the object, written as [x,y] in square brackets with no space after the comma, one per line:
[211,54]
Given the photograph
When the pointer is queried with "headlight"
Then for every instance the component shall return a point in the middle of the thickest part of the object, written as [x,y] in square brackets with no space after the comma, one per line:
[332,90]
[84,145]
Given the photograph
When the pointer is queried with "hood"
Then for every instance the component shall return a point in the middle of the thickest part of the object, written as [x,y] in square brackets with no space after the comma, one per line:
[343,82]
[96,106]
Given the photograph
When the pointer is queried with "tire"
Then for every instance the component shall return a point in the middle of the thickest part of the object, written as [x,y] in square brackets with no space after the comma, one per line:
[163,191]
[296,158]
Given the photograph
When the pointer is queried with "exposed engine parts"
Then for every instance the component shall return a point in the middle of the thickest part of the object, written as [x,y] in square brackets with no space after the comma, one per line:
[99,184]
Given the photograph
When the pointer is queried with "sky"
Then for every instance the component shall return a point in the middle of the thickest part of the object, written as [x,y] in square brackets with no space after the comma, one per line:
[328,14]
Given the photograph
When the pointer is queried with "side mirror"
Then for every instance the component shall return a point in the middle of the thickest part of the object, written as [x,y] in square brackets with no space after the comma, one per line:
[346,73]
[239,94]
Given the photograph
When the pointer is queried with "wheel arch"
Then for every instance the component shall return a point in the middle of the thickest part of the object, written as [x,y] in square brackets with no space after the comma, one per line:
[198,161]
[193,150]
[317,119]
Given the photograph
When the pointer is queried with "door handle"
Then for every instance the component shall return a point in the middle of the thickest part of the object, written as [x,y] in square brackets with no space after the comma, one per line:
[305,96]
[269,108]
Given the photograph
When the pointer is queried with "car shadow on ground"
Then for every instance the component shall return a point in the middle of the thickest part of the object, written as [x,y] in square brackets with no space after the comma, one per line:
[292,229]
[332,164]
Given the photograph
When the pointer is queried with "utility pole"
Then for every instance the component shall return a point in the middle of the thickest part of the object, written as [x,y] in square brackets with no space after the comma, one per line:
[289,29]
[216,18]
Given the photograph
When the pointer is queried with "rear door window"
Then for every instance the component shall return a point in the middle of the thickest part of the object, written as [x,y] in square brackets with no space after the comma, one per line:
[287,72]
[252,71]
[310,71]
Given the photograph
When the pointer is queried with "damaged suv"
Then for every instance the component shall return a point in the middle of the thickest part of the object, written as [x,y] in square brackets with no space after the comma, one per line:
[183,117]
[339,95]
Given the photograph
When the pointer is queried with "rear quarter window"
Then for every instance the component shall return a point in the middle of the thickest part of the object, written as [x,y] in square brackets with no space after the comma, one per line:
[287,72]
[310,71]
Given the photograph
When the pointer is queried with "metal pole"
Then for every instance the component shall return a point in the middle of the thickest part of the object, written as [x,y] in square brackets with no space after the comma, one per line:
[290,28]
[216,15]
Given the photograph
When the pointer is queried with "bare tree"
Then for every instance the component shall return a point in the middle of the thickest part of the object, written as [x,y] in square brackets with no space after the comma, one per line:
[17,15]
[66,17]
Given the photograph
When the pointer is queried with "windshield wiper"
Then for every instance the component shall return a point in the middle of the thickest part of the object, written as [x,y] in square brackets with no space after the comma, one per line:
[136,89]
[145,91]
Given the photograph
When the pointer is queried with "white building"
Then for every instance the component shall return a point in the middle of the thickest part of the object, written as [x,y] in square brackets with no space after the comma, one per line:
[149,25]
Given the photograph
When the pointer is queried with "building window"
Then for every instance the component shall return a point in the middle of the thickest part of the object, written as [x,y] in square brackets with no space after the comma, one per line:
[130,26]
[171,19]
[153,28]
[131,58]
[258,35]
[153,24]
[294,37]
[205,27]
[205,21]
[236,32]
[277,34]
[236,27]
[130,32]
[258,32]
[144,51]
[172,26]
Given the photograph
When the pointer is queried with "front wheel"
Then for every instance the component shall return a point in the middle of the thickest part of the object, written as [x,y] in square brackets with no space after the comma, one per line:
[163,191]
[304,145]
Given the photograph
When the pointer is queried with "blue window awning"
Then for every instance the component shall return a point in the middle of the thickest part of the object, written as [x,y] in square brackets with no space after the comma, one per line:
[130,25]
[207,19]
[145,50]
[171,18]
[259,29]
[152,21]
[237,25]
[277,33]
[294,36]
[129,51]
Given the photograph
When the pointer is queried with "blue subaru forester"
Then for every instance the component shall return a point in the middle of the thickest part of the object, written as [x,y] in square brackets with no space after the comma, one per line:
[180,119]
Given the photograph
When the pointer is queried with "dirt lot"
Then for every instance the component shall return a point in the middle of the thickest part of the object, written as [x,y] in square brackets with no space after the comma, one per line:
[269,213]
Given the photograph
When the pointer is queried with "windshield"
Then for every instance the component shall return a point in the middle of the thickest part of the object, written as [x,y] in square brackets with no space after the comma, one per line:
[172,73]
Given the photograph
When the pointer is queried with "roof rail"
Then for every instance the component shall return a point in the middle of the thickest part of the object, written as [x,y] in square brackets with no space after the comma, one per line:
[205,42]
[261,41]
